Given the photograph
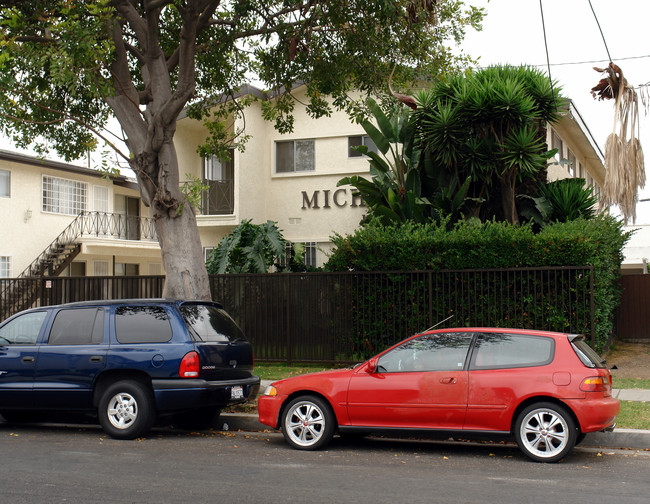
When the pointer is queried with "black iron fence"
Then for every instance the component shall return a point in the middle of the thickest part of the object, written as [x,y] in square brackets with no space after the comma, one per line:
[345,317]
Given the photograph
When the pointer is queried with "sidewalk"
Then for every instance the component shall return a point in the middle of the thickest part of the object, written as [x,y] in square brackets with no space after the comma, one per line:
[620,438]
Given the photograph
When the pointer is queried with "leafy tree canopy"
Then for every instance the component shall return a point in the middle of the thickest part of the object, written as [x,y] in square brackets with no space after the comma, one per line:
[66,66]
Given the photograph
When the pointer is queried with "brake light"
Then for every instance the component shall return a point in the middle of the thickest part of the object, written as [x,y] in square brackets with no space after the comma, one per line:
[189,367]
[596,384]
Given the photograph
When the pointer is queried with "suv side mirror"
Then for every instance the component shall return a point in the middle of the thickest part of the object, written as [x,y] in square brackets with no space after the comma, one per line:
[372,365]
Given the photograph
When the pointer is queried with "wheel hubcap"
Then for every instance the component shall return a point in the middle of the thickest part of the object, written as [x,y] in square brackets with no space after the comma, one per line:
[305,423]
[544,433]
[122,410]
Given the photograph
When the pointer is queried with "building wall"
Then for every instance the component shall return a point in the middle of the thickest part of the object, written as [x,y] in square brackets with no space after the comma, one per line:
[27,229]
[307,205]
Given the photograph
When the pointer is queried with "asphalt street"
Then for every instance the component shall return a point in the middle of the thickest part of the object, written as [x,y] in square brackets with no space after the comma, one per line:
[58,463]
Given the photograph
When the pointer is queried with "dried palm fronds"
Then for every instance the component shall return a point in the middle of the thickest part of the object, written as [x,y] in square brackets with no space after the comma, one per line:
[624,164]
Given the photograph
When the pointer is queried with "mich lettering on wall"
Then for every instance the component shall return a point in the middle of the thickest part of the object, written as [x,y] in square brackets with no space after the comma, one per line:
[340,198]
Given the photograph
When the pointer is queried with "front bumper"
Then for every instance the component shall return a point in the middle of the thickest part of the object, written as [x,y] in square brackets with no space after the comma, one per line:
[182,394]
[268,410]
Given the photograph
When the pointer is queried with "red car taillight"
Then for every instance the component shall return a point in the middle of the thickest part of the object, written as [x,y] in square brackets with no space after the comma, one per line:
[189,367]
[596,384]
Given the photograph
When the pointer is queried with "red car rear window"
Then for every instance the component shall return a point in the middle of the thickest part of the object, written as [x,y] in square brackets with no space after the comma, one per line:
[587,355]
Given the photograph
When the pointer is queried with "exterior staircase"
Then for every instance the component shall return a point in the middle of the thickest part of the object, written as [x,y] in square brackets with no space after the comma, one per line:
[20,294]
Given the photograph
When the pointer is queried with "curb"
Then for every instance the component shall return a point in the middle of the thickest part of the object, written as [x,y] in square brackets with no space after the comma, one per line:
[620,438]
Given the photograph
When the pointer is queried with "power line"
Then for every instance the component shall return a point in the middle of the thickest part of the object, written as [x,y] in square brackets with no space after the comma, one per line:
[601,30]
[591,62]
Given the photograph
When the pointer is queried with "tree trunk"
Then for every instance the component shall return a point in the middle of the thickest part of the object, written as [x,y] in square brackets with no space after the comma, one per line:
[180,246]
[508,200]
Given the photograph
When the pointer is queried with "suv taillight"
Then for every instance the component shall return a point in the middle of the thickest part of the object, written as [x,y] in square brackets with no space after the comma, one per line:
[596,384]
[189,367]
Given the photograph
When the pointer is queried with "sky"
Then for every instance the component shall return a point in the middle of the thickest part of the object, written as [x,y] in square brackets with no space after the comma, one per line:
[513,33]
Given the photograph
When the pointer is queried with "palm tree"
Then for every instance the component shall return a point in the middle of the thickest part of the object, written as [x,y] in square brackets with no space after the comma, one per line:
[490,125]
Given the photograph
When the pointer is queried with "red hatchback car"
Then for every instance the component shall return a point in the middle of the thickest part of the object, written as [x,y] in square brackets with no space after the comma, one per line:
[546,389]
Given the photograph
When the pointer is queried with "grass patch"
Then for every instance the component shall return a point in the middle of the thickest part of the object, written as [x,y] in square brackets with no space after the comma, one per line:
[634,415]
[277,371]
[631,383]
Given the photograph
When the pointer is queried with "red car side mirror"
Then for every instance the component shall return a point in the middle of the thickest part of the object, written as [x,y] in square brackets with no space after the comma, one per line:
[372,366]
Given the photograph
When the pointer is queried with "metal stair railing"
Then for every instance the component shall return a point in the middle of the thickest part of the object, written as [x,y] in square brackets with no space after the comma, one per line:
[97,224]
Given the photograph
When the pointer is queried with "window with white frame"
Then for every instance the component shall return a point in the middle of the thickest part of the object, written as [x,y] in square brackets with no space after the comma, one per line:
[573,162]
[207,252]
[556,143]
[358,140]
[309,255]
[5,184]
[5,266]
[100,199]
[295,156]
[100,268]
[64,196]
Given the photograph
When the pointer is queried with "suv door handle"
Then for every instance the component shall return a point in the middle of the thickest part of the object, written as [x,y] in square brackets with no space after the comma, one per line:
[96,358]
[28,358]
[447,381]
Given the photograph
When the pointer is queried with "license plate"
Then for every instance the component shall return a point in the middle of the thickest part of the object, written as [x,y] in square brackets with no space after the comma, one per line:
[237,392]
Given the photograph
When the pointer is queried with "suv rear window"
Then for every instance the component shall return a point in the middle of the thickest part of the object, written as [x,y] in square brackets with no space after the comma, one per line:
[211,324]
[142,324]
[587,355]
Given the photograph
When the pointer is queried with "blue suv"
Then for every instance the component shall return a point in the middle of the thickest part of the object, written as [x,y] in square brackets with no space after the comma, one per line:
[129,361]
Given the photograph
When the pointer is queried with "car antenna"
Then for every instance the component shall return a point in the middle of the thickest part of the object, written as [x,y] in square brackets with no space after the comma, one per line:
[441,322]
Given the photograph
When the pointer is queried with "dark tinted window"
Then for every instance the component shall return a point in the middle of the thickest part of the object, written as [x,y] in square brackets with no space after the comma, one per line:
[78,326]
[439,352]
[142,324]
[209,323]
[22,330]
[498,351]
[587,355]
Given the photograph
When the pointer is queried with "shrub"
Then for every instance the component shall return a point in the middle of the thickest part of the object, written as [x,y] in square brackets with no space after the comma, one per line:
[473,245]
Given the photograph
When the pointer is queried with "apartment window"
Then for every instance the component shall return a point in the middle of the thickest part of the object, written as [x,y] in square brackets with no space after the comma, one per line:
[100,199]
[219,177]
[100,268]
[573,164]
[358,140]
[207,252]
[76,268]
[294,156]
[64,196]
[155,269]
[556,143]
[5,184]
[5,266]
[310,253]
[126,269]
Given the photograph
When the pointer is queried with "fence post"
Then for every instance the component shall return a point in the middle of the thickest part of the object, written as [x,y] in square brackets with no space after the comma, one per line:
[288,318]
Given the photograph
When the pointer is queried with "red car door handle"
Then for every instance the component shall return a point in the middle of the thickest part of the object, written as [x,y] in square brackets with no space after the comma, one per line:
[447,381]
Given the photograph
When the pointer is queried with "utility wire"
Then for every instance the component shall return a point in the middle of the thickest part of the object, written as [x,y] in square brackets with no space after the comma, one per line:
[601,30]
[548,61]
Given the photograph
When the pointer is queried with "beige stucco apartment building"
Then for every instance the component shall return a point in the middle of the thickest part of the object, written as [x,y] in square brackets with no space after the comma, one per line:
[287,178]
[41,201]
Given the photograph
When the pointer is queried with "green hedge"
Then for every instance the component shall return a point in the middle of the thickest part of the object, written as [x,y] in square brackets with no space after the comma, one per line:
[471,244]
